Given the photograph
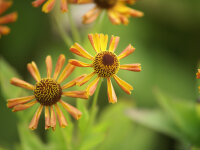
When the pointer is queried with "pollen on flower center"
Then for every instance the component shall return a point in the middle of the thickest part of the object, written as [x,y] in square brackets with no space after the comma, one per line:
[47,92]
[105,3]
[106,64]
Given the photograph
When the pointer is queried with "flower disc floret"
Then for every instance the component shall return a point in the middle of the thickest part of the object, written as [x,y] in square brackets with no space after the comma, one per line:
[105,4]
[47,92]
[106,64]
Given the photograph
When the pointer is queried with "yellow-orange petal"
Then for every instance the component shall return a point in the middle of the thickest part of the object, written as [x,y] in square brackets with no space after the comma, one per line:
[37,3]
[59,65]
[124,85]
[61,118]
[24,106]
[34,122]
[92,86]
[47,118]
[136,13]
[73,82]
[48,62]
[112,98]
[198,74]
[66,72]
[53,118]
[95,41]
[84,1]
[91,15]
[21,83]
[12,17]
[4,30]
[79,63]
[76,94]
[4,5]
[32,68]
[71,109]
[113,43]
[86,79]
[114,17]
[103,42]
[63,4]
[78,50]
[48,6]
[131,67]
[127,51]
[16,101]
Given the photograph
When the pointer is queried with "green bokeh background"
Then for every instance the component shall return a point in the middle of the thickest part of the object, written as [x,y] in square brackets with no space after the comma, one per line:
[167,42]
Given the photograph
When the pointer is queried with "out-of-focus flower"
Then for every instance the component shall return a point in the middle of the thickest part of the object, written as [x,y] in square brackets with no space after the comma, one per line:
[47,92]
[12,17]
[117,10]
[198,76]
[105,64]
[49,4]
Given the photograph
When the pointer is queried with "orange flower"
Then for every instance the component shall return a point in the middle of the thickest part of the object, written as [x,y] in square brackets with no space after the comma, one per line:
[105,64]
[47,92]
[198,74]
[117,10]
[12,17]
[48,6]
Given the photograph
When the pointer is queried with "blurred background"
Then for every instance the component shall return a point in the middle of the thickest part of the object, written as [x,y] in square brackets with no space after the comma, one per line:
[167,42]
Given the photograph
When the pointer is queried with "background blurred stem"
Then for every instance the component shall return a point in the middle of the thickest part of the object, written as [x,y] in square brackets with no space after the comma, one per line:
[75,33]
[62,32]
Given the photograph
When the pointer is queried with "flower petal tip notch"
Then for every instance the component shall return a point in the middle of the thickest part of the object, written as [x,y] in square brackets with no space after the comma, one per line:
[105,64]
[48,93]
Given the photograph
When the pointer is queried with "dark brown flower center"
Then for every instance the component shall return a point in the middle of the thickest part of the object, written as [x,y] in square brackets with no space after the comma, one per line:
[47,92]
[106,64]
[105,4]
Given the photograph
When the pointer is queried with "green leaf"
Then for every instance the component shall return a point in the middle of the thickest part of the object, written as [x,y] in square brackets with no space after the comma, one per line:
[29,140]
[156,120]
[184,115]
[6,73]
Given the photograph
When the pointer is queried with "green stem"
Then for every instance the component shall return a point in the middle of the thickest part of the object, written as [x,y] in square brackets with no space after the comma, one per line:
[75,33]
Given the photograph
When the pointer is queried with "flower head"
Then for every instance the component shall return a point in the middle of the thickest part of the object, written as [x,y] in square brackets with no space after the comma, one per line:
[12,17]
[105,64]
[117,10]
[49,4]
[47,92]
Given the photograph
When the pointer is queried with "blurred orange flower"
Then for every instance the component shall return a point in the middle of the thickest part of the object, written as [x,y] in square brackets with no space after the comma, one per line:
[49,4]
[105,64]
[47,92]
[117,10]
[12,17]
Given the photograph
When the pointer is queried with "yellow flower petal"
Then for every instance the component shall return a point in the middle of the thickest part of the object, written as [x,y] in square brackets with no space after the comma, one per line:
[24,106]
[4,30]
[73,82]
[112,98]
[32,68]
[113,43]
[66,72]
[4,6]
[21,83]
[76,94]
[72,110]
[59,65]
[103,41]
[12,17]
[92,86]
[91,15]
[37,3]
[64,5]
[47,7]
[49,66]
[47,118]
[198,74]
[95,41]
[85,79]
[53,118]
[16,101]
[34,122]
[127,51]
[131,67]
[124,85]
[61,118]
[78,50]
[79,63]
